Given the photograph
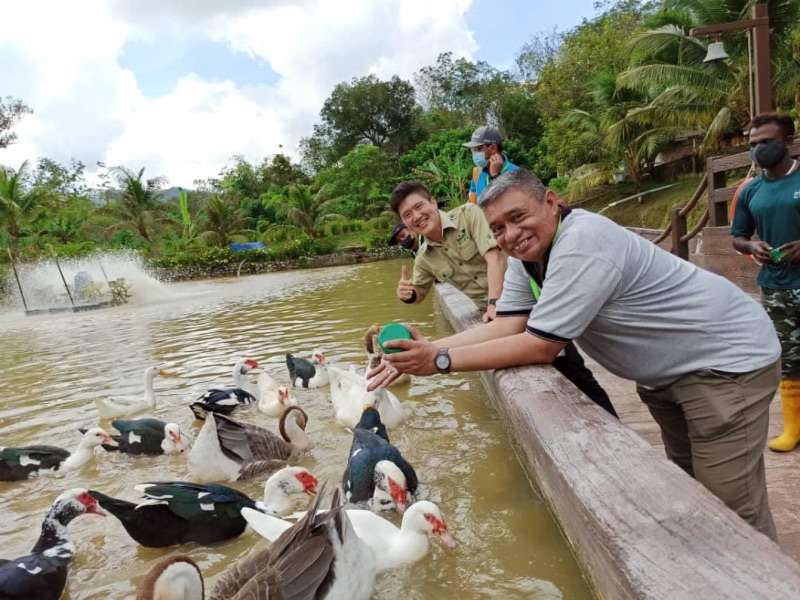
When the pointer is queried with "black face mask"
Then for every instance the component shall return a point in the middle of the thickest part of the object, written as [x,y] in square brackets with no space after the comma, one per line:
[768,154]
[407,243]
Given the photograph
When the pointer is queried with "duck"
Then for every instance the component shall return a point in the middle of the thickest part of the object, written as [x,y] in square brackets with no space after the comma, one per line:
[308,373]
[376,472]
[122,406]
[227,450]
[146,436]
[349,396]
[42,574]
[178,512]
[17,464]
[174,578]
[273,399]
[319,557]
[226,401]
[392,546]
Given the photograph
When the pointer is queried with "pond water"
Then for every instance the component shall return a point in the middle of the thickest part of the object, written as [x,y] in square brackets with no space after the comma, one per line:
[53,366]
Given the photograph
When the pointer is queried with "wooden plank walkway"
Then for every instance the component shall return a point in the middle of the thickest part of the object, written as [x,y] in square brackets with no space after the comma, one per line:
[783,470]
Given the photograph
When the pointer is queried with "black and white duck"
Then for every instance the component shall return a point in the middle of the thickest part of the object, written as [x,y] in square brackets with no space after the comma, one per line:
[227,450]
[225,401]
[308,373]
[146,436]
[319,557]
[122,406]
[180,512]
[31,461]
[392,546]
[174,578]
[376,472]
[42,574]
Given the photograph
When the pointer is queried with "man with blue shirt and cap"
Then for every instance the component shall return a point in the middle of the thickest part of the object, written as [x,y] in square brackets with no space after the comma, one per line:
[490,162]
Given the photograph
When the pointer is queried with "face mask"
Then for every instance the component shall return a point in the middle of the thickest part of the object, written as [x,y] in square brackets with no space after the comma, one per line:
[768,154]
[408,242]
[479,159]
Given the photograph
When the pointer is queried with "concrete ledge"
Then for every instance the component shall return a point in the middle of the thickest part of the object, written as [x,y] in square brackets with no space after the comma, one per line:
[638,525]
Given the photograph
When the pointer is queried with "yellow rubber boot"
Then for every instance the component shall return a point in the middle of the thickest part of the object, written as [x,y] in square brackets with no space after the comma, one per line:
[790,403]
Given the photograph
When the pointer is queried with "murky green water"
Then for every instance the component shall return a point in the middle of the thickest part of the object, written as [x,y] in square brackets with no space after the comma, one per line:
[52,367]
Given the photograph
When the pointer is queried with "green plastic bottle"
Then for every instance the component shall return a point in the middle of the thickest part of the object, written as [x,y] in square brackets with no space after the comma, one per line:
[393,331]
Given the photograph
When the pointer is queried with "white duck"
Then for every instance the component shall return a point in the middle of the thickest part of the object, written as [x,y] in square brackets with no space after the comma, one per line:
[122,406]
[174,578]
[283,486]
[392,546]
[273,399]
[349,396]
[226,449]
[308,373]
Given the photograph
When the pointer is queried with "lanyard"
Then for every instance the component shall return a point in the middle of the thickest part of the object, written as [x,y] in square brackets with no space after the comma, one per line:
[535,288]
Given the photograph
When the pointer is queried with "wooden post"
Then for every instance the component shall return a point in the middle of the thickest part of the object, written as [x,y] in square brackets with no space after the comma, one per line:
[679,248]
[717,212]
[761,61]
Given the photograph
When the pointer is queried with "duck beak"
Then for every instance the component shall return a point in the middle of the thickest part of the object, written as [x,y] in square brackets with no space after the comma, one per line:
[446,539]
[164,373]
[109,441]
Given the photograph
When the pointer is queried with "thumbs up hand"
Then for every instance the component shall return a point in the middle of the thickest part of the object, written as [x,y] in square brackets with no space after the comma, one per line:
[405,289]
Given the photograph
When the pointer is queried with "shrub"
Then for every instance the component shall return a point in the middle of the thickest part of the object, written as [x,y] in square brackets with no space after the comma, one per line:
[559,184]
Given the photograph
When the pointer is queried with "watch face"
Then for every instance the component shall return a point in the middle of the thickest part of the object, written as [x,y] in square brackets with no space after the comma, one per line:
[443,361]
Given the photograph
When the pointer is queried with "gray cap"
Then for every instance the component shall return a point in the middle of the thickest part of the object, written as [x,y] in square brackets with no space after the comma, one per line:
[484,135]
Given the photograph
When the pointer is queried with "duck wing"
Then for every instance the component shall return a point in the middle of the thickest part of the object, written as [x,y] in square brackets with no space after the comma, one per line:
[33,576]
[366,451]
[258,450]
[222,402]
[371,421]
[138,436]
[17,464]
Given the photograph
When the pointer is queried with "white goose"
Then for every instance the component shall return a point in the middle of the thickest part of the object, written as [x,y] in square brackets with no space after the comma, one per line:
[273,399]
[349,396]
[392,546]
[226,449]
[122,406]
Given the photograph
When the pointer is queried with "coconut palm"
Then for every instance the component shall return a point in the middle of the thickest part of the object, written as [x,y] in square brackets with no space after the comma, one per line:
[137,205]
[307,210]
[223,225]
[688,94]
[20,204]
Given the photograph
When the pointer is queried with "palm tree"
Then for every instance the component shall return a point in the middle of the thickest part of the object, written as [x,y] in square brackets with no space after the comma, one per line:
[223,225]
[20,204]
[307,210]
[688,94]
[138,204]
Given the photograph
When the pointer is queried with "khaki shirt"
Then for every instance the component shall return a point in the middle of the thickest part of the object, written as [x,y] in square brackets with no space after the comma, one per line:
[459,258]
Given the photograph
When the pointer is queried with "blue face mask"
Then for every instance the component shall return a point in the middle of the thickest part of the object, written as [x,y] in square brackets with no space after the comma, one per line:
[479,159]
[768,154]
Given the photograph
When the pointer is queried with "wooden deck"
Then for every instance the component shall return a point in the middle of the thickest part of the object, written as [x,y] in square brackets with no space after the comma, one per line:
[783,470]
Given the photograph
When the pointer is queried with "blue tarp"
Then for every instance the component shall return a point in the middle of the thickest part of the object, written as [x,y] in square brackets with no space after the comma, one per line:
[247,246]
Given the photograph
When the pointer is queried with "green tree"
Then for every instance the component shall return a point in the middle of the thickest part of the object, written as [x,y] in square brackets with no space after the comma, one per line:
[223,225]
[306,211]
[12,111]
[20,203]
[136,205]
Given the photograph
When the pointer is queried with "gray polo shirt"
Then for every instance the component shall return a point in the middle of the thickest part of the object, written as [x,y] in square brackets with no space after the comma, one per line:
[641,312]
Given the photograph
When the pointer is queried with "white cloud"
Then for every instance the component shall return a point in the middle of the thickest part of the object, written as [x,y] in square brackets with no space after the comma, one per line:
[65,65]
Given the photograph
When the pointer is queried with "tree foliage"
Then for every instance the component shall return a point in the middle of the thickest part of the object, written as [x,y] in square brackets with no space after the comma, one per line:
[12,111]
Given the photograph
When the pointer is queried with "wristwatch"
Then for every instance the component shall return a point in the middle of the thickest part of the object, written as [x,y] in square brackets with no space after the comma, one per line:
[493,301]
[442,361]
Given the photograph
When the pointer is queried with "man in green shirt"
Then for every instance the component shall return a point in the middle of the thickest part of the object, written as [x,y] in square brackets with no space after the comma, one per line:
[770,206]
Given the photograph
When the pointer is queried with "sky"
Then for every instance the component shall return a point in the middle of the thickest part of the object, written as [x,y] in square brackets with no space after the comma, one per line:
[181,86]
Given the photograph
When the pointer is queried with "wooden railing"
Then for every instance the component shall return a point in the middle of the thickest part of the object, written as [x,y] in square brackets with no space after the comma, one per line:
[715,181]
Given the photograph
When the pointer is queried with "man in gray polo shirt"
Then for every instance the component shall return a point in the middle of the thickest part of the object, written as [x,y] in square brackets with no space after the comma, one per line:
[640,312]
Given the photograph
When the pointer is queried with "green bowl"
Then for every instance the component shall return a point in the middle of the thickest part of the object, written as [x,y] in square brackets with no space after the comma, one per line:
[393,331]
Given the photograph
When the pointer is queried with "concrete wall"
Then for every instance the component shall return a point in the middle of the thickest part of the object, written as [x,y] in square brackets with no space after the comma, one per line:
[639,526]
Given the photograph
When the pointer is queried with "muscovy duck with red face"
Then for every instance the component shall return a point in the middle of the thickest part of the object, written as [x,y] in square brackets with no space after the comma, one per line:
[308,373]
[42,574]
[226,401]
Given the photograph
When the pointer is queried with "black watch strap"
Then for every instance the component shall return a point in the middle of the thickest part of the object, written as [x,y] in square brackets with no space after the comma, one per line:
[493,301]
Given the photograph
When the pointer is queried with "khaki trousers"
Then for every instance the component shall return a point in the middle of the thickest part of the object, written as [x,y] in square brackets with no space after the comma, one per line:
[714,426]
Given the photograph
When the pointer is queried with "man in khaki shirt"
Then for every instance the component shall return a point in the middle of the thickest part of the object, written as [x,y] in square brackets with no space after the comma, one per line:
[457,247]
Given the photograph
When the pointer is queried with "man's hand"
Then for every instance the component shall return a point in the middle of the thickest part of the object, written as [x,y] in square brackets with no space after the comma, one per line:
[495,164]
[418,357]
[761,251]
[792,250]
[489,315]
[405,289]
